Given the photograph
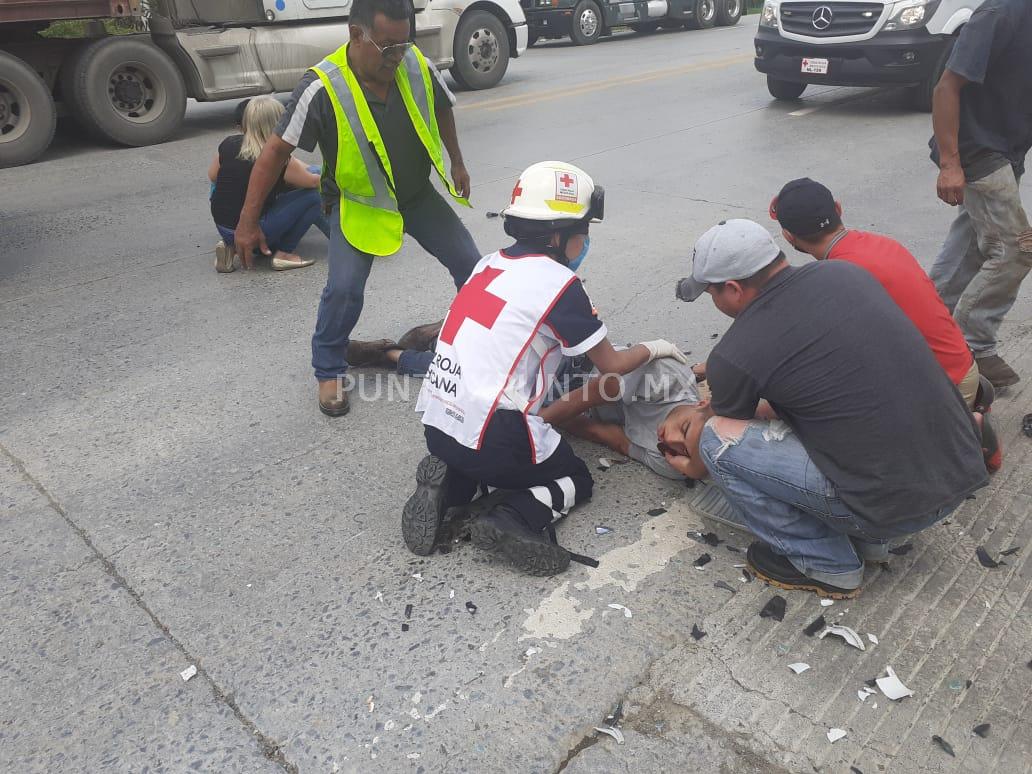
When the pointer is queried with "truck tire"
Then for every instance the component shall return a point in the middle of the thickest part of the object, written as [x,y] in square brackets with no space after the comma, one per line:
[787,90]
[703,16]
[728,12]
[586,24]
[28,117]
[481,51]
[126,90]
[921,95]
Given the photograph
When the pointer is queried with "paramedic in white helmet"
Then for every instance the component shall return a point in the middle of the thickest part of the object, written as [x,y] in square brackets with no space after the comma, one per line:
[522,309]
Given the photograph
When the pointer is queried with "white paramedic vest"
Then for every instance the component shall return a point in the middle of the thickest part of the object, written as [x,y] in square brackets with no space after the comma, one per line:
[494,351]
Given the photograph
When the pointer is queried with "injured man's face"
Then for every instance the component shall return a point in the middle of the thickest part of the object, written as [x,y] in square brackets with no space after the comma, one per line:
[679,435]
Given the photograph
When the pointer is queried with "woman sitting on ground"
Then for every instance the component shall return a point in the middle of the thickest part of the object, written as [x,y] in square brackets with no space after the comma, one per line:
[293,206]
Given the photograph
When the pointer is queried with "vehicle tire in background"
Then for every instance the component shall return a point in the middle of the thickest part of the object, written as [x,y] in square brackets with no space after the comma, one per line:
[586,24]
[921,95]
[787,90]
[481,51]
[728,12]
[28,117]
[703,16]
[125,89]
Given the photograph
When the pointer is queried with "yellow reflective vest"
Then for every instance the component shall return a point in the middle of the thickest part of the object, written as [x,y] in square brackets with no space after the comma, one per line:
[369,216]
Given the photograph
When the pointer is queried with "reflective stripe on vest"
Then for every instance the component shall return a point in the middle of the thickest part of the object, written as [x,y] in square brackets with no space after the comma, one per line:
[369,214]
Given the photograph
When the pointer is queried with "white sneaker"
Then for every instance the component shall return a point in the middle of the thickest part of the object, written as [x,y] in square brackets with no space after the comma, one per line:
[223,258]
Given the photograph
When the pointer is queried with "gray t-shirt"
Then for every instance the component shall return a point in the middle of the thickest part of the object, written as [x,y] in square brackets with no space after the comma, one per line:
[838,360]
[994,53]
[310,121]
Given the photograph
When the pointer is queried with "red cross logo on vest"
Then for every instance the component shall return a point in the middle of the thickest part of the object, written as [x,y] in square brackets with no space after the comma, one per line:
[475,303]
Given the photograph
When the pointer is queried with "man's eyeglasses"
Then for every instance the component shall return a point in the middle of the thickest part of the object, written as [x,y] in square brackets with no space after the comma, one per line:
[394,51]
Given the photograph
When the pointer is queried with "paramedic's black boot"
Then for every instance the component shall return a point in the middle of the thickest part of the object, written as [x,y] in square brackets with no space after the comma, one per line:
[503,530]
[423,514]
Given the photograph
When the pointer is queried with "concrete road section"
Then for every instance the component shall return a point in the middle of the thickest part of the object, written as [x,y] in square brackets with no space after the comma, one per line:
[171,496]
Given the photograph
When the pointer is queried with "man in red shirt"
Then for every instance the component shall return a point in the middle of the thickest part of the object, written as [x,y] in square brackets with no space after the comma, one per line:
[811,221]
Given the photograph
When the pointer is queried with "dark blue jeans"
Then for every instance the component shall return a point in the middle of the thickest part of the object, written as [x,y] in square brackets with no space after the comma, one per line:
[433,223]
[288,220]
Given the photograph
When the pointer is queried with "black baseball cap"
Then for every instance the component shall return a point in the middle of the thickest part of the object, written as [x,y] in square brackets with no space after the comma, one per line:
[804,207]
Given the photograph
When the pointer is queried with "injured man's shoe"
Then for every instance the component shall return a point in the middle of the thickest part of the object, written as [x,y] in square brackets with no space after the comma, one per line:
[423,514]
[503,530]
[778,571]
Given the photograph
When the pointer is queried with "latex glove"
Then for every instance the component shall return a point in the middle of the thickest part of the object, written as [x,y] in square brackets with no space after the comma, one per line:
[663,348]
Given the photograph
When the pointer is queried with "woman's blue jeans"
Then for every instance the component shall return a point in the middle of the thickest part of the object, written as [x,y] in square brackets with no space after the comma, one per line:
[288,220]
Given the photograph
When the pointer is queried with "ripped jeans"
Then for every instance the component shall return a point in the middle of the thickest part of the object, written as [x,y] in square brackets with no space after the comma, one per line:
[780,496]
[987,254]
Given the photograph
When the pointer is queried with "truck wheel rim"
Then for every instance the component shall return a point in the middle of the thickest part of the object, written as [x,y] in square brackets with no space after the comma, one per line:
[707,9]
[15,114]
[135,94]
[588,22]
[732,7]
[483,50]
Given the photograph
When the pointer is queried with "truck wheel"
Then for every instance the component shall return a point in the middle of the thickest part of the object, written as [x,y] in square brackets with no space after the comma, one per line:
[27,114]
[921,95]
[586,24]
[703,16]
[728,12]
[481,51]
[125,89]
[787,90]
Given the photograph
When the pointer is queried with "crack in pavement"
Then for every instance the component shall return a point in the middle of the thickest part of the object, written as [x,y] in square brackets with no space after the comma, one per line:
[270,749]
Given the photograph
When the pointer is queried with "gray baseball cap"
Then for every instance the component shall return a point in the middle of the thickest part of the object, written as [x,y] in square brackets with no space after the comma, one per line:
[731,250]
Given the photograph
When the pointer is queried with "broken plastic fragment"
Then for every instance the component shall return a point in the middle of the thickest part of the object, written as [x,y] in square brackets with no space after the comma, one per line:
[892,686]
[404,627]
[451,594]
[902,550]
[471,608]
[491,214]
[657,512]
[862,695]
[873,639]
[782,649]
[604,464]
[600,530]
[616,733]
[733,549]
[370,703]
[946,746]
[702,561]
[775,608]
[847,634]
[854,770]
[408,611]
[722,585]
[626,612]
[956,685]
[827,602]
[418,576]
[986,560]
[815,627]
[799,667]
[982,730]
[697,633]
[189,672]
[746,576]
[834,734]
[1011,550]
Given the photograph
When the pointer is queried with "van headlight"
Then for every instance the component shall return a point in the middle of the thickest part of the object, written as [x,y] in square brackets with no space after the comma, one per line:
[909,14]
[769,14]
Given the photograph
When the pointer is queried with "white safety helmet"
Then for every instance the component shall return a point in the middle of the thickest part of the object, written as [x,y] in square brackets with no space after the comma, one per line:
[555,192]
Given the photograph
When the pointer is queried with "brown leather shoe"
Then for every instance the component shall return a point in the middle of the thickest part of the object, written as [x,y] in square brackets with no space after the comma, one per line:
[422,337]
[371,354]
[333,401]
[995,369]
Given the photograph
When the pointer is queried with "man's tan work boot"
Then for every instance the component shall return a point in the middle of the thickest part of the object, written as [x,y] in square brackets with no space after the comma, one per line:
[333,401]
[421,337]
[995,369]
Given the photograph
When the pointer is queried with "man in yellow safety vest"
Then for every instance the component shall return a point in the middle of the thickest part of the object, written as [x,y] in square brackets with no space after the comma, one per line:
[381,115]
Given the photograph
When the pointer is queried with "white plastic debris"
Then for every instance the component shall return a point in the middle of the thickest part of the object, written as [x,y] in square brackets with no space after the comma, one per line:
[417,697]
[834,734]
[626,612]
[799,667]
[874,706]
[413,756]
[873,639]
[827,602]
[371,704]
[864,693]
[850,636]
[418,576]
[189,672]
[604,463]
[892,686]
[451,594]
[616,733]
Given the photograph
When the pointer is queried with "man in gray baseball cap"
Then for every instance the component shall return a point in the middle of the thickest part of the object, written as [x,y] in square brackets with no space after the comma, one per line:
[822,457]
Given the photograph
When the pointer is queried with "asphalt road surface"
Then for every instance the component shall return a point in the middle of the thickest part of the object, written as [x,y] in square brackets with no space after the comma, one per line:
[171,496]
